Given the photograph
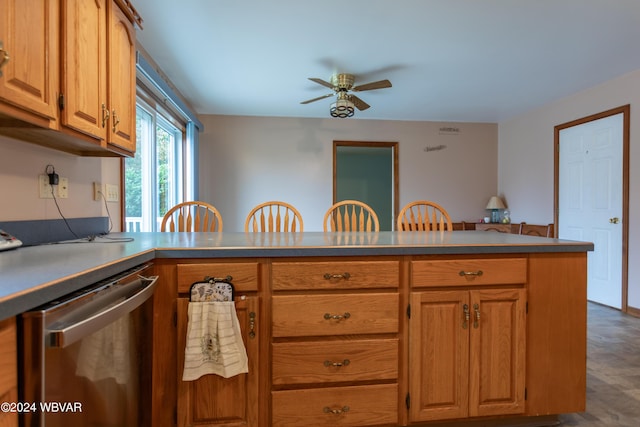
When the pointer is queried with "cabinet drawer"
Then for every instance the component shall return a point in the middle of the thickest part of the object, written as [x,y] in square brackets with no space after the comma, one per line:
[468,272]
[351,406]
[335,275]
[244,275]
[335,314]
[334,361]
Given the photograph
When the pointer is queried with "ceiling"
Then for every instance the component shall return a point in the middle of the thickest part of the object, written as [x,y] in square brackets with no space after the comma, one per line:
[448,60]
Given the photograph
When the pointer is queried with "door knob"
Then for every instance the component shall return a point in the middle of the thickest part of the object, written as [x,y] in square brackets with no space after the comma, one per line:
[614,220]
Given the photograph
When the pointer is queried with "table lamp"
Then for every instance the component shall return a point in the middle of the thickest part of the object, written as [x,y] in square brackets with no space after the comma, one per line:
[495,205]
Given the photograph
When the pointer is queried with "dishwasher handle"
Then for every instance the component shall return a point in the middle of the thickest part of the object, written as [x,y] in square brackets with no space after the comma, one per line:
[66,336]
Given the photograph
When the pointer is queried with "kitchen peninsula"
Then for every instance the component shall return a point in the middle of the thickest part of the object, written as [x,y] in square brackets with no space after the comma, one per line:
[389,328]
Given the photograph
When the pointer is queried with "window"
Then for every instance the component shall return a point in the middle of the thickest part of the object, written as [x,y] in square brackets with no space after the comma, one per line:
[163,172]
[155,178]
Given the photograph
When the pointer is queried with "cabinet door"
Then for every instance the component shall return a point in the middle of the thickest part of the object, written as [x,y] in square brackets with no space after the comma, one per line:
[439,355]
[215,401]
[122,80]
[497,357]
[84,58]
[8,370]
[29,35]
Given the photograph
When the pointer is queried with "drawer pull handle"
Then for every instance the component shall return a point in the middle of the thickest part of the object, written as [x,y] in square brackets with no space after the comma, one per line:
[218,279]
[465,322]
[470,273]
[329,363]
[476,308]
[328,316]
[329,276]
[338,411]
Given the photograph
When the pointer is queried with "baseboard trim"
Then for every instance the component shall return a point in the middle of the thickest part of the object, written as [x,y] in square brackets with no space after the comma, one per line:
[633,311]
[534,421]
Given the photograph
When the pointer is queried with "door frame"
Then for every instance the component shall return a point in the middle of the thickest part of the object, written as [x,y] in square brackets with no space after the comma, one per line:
[374,144]
[625,110]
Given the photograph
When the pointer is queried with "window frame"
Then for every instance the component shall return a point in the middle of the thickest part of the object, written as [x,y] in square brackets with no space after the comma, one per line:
[183,153]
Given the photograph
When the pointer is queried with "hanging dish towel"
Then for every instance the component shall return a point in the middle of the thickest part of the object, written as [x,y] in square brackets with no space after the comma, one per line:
[214,341]
[106,353]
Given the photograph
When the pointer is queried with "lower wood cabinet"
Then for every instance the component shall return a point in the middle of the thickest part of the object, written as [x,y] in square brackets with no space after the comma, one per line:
[212,400]
[467,353]
[335,347]
[381,341]
[8,370]
[366,405]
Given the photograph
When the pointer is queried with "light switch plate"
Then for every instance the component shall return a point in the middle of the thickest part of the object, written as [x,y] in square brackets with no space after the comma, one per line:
[112,193]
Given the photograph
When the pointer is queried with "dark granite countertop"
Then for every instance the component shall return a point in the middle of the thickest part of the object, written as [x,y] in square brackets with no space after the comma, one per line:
[31,276]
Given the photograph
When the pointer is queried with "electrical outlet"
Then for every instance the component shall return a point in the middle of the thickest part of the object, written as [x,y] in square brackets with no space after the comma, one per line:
[97,191]
[61,190]
[112,193]
[45,188]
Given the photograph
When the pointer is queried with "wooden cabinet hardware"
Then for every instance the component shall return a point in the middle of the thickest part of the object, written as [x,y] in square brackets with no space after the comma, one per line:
[344,276]
[344,316]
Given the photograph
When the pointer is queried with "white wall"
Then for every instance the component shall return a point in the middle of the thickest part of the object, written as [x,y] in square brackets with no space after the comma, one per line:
[249,160]
[22,163]
[525,158]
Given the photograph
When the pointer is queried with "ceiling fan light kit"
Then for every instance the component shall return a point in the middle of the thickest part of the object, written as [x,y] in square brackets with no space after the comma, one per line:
[343,107]
[346,103]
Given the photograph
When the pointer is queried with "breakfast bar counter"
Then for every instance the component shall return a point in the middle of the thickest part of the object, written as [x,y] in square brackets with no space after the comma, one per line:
[31,276]
[353,329]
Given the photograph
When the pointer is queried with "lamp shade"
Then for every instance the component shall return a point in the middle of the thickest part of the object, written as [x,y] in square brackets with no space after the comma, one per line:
[495,202]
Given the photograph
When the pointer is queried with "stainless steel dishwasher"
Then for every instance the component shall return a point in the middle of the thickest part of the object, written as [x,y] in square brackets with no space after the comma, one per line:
[86,357]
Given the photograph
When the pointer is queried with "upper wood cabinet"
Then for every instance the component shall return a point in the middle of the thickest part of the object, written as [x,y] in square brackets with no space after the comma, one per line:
[29,50]
[98,78]
[84,67]
[122,80]
[70,80]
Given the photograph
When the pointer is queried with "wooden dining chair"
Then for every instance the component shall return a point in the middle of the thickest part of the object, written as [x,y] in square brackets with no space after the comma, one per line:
[423,215]
[350,215]
[536,230]
[192,216]
[274,216]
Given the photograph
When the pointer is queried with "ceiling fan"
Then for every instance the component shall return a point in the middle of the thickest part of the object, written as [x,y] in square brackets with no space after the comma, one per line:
[342,85]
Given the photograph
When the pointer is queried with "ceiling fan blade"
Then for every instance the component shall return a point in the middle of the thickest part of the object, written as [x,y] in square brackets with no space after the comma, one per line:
[381,84]
[359,103]
[321,82]
[317,99]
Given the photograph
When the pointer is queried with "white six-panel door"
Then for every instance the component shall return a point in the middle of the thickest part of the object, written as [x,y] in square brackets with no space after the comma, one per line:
[590,201]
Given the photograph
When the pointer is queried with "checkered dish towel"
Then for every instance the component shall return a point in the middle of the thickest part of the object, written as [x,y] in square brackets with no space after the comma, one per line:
[214,341]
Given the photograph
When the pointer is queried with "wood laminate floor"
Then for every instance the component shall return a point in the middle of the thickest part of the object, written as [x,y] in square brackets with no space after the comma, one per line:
[613,371]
